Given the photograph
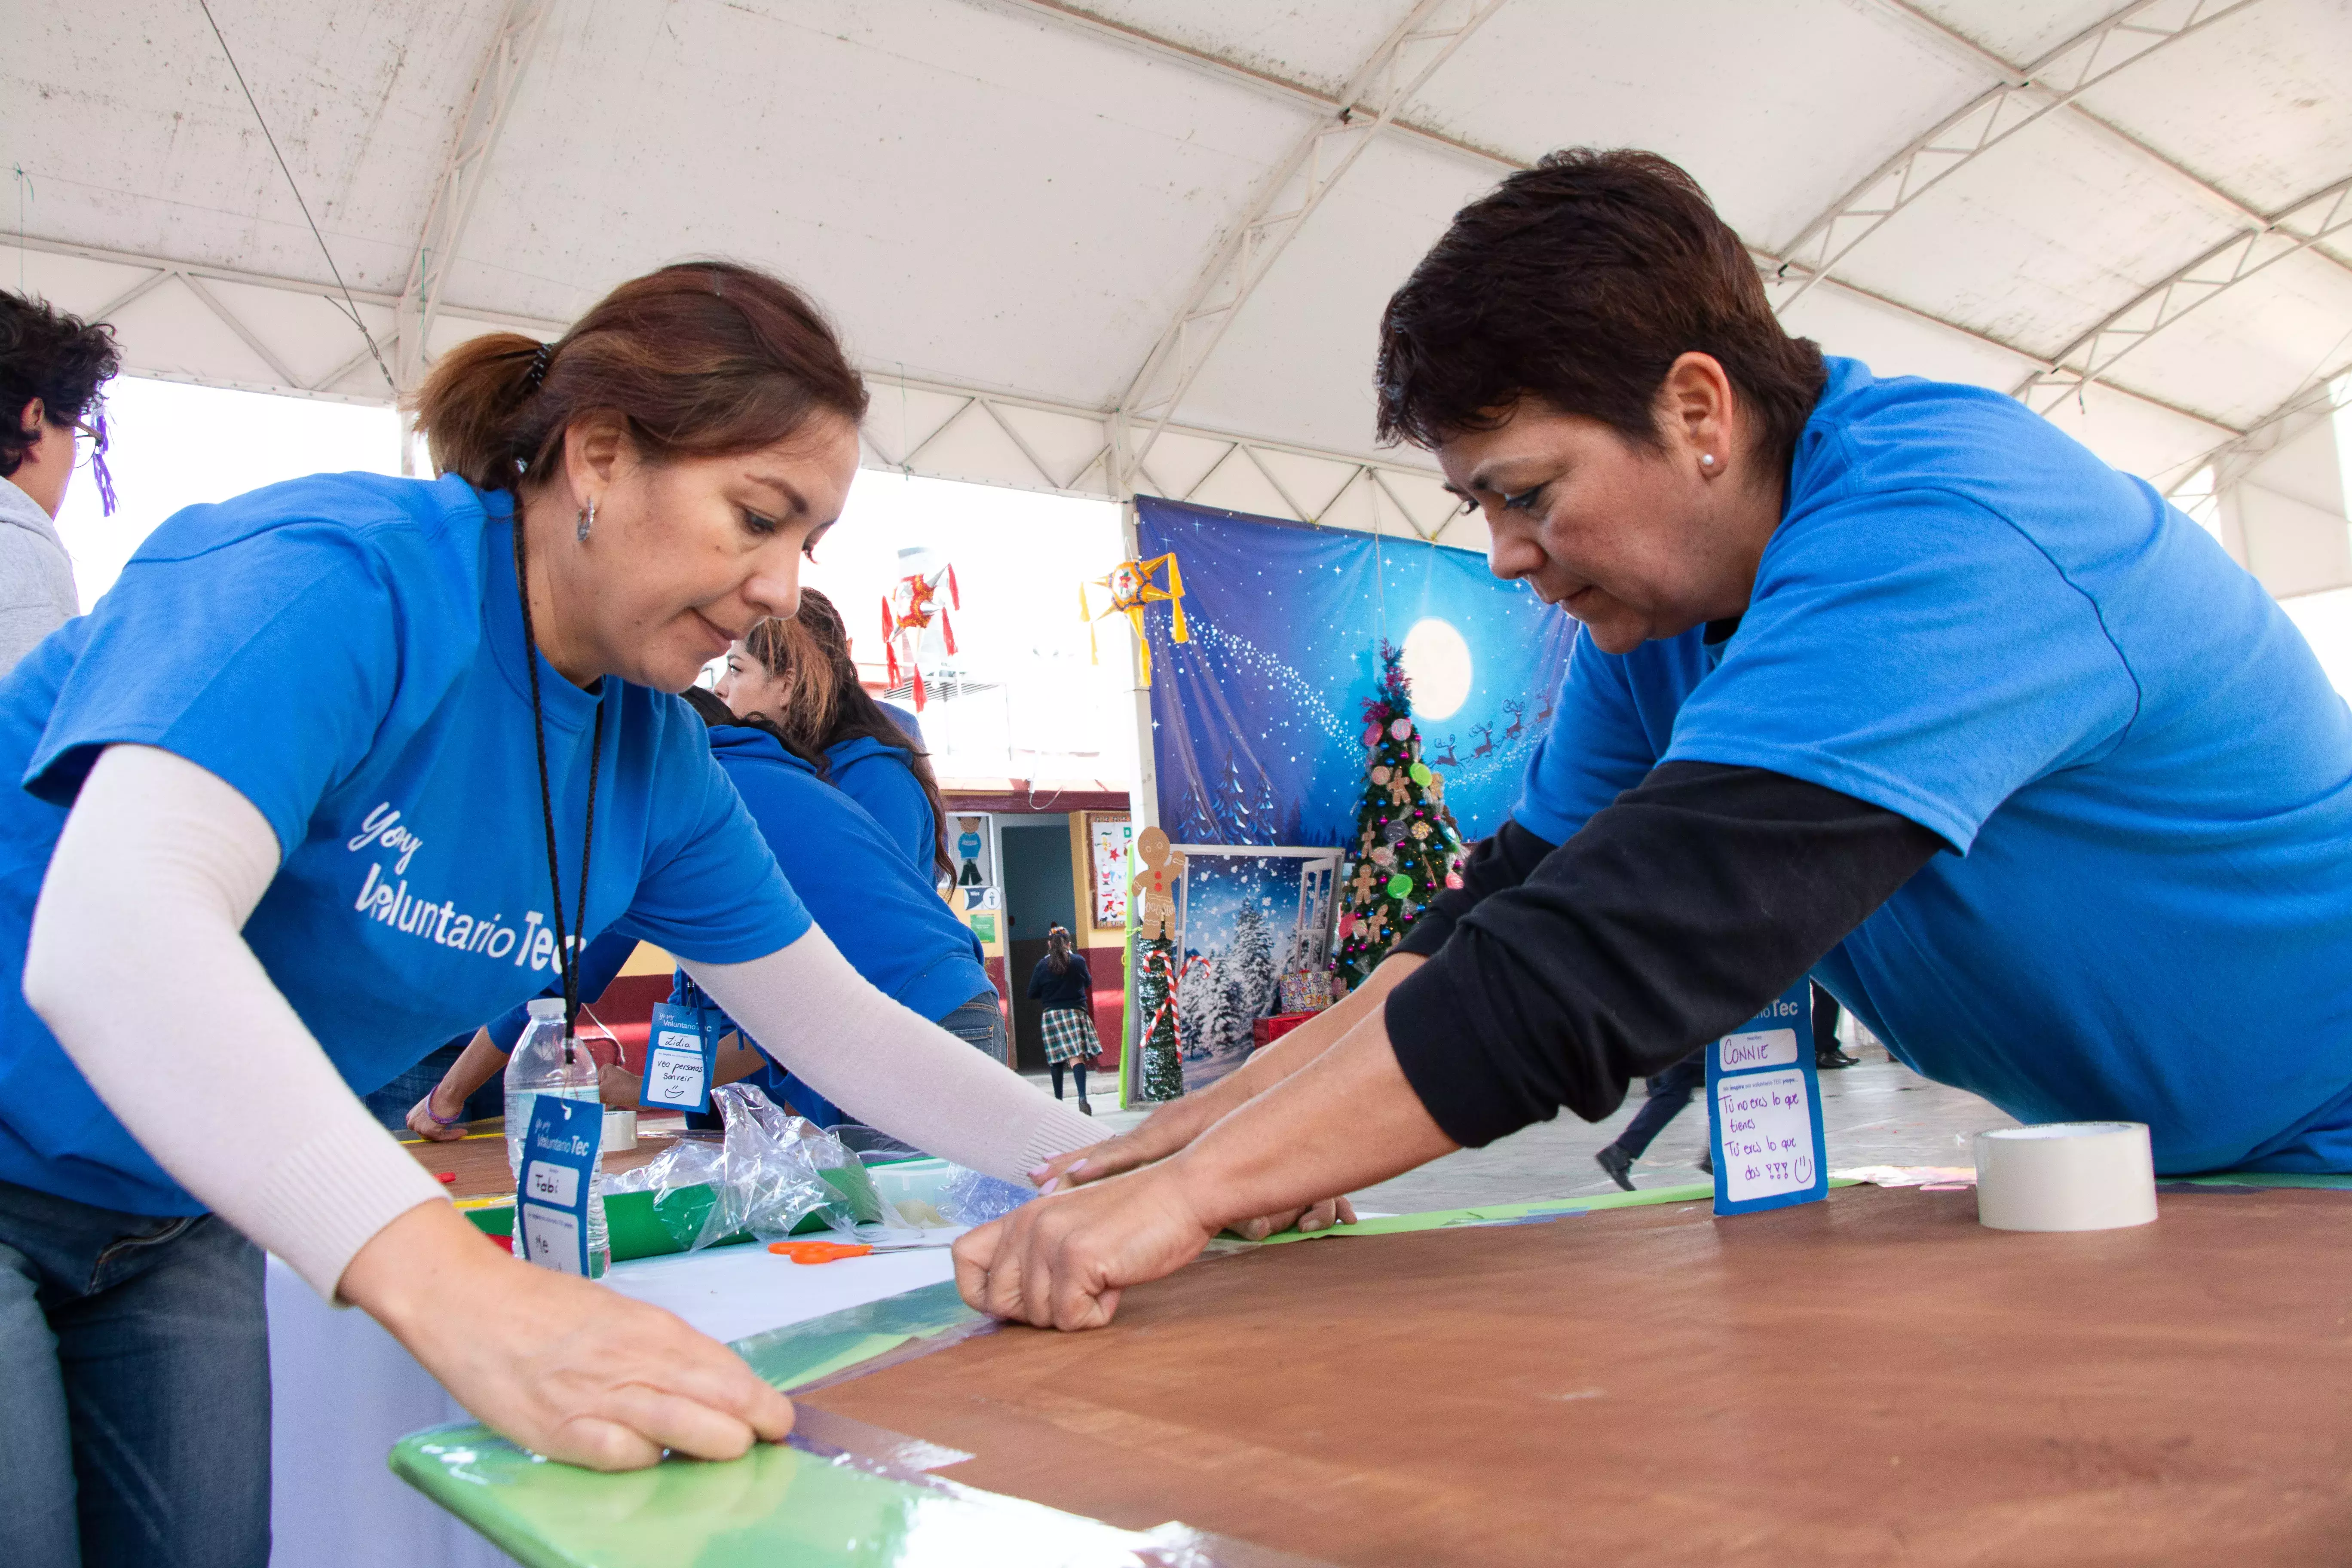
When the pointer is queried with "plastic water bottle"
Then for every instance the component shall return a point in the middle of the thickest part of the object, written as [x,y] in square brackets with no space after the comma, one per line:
[542,1065]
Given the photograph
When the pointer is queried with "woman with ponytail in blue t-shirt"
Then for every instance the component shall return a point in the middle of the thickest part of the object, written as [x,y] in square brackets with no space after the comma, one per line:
[339,768]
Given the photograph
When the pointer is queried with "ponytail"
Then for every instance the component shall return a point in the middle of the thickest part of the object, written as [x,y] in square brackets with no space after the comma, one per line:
[467,407]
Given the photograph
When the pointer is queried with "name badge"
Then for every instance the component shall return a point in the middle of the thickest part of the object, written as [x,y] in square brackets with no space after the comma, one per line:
[559,1159]
[682,1053]
[1764,1109]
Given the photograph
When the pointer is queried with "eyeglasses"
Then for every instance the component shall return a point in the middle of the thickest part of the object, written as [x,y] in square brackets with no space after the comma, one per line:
[94,426]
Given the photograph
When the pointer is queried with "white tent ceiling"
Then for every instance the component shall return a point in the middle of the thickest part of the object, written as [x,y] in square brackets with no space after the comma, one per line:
[1144,245]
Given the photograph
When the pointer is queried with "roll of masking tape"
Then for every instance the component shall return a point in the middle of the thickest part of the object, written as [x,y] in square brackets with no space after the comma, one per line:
[2066,1175]
[620,1132]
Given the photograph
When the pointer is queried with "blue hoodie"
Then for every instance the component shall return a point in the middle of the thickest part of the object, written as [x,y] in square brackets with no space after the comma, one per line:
[876,776]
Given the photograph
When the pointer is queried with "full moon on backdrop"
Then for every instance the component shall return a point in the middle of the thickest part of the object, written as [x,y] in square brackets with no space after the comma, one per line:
[1439,662]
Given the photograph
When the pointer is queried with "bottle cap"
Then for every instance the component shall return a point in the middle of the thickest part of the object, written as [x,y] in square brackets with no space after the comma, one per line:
[547,1006]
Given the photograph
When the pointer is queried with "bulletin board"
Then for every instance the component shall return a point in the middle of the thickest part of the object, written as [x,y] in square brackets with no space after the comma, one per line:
[1104,839]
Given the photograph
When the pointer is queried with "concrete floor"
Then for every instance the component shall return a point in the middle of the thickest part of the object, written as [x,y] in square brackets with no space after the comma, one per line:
[1876,1113]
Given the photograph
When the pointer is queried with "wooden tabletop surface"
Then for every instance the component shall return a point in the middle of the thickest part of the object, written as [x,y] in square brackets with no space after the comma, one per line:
[478,1159]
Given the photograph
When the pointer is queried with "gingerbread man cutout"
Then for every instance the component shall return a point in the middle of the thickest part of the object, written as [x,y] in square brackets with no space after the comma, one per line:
[1154,888]
[1362,884]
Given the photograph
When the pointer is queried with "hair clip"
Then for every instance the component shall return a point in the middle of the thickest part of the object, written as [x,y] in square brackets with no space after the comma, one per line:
[537,371]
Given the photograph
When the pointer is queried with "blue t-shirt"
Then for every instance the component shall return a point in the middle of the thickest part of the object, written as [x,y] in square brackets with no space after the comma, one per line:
[347,652]
[878,776]
[1966,618]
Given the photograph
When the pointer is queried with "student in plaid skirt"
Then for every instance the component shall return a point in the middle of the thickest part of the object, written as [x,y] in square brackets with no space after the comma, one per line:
[1062,982]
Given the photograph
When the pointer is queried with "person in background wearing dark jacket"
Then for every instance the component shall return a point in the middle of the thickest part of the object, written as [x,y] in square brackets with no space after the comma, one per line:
[1826,1054]
[1061,982]
[1669,1092]
[797,675]
[51,367]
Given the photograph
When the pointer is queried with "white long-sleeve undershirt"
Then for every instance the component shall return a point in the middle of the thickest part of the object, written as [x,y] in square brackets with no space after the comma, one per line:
[195,1051]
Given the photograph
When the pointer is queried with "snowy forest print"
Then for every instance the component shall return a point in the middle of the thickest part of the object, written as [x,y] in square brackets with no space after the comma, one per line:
[1246,920]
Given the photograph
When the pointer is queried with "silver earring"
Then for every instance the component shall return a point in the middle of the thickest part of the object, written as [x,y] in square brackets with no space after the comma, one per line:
[588,519]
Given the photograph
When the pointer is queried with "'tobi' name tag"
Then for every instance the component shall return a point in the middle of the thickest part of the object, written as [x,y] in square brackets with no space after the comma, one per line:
[1764,1109]
[681,1049]
[559,1157]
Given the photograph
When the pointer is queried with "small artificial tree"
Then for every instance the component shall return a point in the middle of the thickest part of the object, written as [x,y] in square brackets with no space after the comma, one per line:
[1407,848]
[1163,1066]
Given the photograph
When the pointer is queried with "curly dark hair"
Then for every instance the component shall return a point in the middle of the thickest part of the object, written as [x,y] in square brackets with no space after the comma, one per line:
[63,361]
[1578,283]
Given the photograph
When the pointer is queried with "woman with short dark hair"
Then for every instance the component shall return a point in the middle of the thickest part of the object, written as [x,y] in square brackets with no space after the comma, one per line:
[1883,680]
[52,366]
[345,765]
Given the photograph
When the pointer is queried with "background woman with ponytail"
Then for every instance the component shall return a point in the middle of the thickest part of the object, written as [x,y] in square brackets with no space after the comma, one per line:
[798,675]
[1063,984]
[216,925]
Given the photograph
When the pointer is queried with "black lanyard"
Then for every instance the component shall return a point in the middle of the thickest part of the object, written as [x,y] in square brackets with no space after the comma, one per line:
[567,960]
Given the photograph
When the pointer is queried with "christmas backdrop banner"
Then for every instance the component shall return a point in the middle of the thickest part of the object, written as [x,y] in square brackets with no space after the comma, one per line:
[1256,718]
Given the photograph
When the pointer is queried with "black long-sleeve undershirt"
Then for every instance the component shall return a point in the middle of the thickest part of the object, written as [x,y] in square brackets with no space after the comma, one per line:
[1558,974]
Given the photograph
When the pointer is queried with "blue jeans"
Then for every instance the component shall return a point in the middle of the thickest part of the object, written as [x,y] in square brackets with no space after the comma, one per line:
[134,1389]
[393,1102]
[979,1022]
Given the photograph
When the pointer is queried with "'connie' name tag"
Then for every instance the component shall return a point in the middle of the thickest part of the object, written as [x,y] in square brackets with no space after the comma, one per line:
[1764,1109]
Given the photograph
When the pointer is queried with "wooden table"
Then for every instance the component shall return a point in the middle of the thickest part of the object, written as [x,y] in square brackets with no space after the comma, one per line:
[1873,1379]
[478,1159]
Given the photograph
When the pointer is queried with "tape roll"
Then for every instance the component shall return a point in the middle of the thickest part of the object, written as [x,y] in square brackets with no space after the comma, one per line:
[620,1132]
[2066,1175]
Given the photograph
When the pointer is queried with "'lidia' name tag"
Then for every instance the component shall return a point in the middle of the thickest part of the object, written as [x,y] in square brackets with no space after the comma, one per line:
[681,1049]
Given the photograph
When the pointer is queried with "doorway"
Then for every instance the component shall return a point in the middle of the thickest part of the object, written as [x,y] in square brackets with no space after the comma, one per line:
[1039,892]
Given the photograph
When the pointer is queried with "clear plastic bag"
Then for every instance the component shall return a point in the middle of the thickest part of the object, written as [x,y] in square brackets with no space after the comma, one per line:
[765,1174]
[971,1198]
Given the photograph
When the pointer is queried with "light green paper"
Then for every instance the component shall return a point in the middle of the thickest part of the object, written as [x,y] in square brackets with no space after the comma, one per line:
[800,1353]
[2331,1180]
[777,1505]
[1508,1213]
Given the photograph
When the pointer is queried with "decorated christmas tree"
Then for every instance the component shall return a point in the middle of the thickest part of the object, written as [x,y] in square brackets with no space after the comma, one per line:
[1407,848]
[1163,1066]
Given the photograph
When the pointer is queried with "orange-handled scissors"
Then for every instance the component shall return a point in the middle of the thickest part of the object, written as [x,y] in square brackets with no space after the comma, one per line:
[818,1251]
[828,1251]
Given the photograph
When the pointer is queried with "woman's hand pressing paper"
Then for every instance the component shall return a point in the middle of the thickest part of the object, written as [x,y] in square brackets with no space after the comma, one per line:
[551,1361]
